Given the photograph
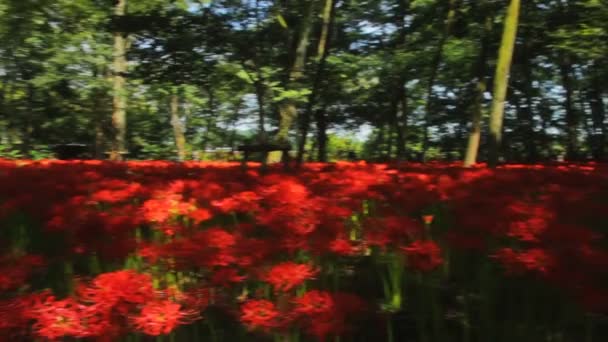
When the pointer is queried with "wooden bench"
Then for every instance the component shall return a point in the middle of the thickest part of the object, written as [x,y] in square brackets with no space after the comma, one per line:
[265,149]
[72,151]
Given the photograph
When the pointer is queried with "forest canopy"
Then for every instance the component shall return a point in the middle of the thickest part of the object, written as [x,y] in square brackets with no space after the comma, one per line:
[386,79]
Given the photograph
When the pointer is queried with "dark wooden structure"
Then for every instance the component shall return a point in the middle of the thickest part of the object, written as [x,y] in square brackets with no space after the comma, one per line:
[265,148]
[72,151]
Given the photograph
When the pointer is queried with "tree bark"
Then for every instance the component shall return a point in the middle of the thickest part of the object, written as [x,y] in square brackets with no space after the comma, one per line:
[322,54]
[480,88]
[571,116]
[501,80]
[288,111]
[321,120]
[259,91]
[119,116]
[435,65]
[178,130]
[528,113]
[598,115]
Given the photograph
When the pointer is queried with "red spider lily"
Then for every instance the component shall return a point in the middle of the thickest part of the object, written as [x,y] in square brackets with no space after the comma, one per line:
[423,255]
[314,302]
[226,277]
[331,316]
[118,291]
[15,271]
[534,260]
[160,317]
[116,193]
[58,318]
[259,314]
[199,215]
[343,246]
[390,230]
[287,275]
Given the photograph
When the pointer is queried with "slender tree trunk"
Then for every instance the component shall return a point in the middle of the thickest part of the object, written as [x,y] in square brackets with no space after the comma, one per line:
[501,80]
[403,120]
[395,106]
[399,104]
[398,110]
[259,90]
[598,115]
[571,116]
[321,120]
[475,133]
[178,130]
[29,122]
[211,119]
[235,119]
[119,115]
[587,126]
[4,139]
[528,114]
[480,88]
[100,120]
[435,65]
[288,111]
[322,54]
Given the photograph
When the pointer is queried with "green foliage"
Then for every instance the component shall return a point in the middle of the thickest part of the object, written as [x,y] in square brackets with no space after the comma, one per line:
[230,61]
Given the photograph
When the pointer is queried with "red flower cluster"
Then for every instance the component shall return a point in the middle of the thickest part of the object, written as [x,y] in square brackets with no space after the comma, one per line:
[210,234]
[423,255]
[285,276]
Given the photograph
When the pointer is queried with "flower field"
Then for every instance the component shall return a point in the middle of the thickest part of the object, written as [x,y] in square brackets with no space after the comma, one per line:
[162,251]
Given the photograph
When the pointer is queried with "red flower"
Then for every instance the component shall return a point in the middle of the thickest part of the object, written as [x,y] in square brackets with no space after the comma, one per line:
[119,290]
[423,255]
[534,259]
[58,318]
[160,318]
[287,275]
[259,314]
[427,219]
[15,271]
[314,302]
[199,215]
[342,246]
[226,277]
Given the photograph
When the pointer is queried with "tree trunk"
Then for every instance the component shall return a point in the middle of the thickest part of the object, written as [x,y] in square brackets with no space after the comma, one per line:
[178,130]
[435,65]
[259,91]
[403,119]
[571,117]
[322,53]
[235,119]
[501,80]
[396,102]
[321,120]
[210,124]
[598,115]
[480,88]
[528,114]
[119,116]
[288,111]
[100,122]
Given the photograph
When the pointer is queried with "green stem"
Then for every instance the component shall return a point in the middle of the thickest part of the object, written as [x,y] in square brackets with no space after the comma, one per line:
[68,271]
[212,330]
[389,329]
[421,316]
